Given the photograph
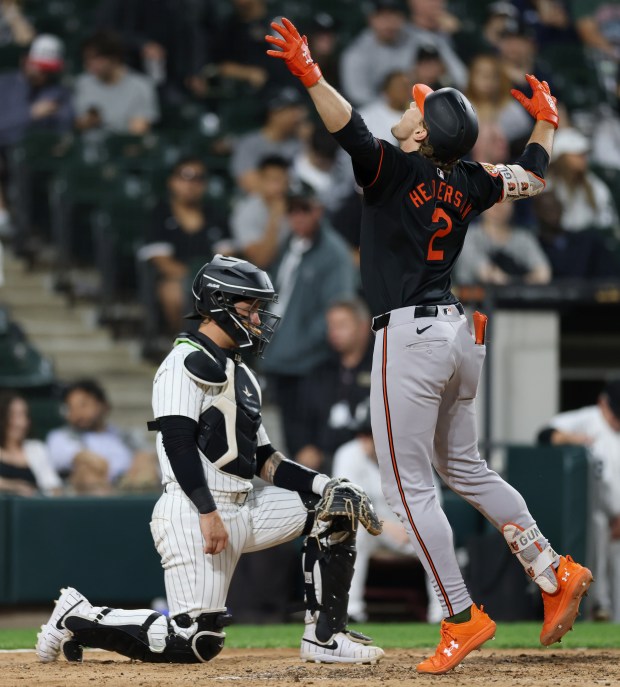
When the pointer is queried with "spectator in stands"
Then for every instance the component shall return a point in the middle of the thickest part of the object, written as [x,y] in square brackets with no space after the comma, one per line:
[432,24]
[33,100]
[110,95]
[258,221]
[335,394]
[518,50]
[185,232]
[495,252]
[322,165]
[163,39]
[572,254]
[429,68]
[382,113]
[598,428]
[15,29]
[598,25]
[501,120]
[357,461]
[501,16]
[25,467]
[587,201]
[386,45]
[280,135]
[313,269]
[239,47]
[87,451]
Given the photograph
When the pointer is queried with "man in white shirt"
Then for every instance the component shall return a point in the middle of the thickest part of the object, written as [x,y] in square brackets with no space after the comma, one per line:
[598,428]
[87,450]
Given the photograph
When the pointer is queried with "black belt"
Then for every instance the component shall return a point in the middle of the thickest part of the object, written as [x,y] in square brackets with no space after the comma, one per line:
[381,321]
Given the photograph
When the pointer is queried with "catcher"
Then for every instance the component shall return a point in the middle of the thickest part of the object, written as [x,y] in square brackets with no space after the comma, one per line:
[211,443]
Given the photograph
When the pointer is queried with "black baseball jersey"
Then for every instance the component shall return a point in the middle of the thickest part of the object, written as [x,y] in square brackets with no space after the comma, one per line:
[414,218]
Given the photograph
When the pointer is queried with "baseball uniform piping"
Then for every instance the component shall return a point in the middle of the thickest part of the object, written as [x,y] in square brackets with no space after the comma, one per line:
[388,424]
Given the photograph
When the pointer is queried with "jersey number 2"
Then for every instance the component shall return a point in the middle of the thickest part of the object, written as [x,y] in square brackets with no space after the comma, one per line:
[439,214]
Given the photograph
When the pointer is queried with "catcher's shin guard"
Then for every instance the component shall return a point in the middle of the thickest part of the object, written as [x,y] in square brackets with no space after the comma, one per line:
[328,570]
[152,641]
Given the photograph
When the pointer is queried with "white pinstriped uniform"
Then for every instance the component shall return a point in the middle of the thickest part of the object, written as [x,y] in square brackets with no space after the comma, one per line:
[255,518]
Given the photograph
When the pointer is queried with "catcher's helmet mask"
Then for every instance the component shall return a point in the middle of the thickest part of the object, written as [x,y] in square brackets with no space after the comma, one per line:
[451,121]
[224,282]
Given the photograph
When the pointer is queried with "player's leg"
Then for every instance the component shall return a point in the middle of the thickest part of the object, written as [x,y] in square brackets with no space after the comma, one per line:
[196,588]
[409,376]
[409,373]
[278,515]
[458,462]
[140,634]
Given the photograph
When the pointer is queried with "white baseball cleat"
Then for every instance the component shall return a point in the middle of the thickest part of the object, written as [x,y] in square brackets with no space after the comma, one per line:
[341,648]
[53,633]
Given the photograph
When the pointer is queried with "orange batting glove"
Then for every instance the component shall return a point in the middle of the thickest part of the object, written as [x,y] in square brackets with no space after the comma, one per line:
[542,105]
[295,52]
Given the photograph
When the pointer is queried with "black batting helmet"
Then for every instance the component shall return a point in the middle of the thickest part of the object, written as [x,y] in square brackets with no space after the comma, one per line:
[451,121]
[220,285]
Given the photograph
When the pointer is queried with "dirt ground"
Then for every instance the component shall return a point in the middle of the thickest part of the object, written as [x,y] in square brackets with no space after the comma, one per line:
[282,668]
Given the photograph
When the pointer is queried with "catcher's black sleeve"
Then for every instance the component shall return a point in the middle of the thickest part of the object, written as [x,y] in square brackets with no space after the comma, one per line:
[179,437]
[288,475]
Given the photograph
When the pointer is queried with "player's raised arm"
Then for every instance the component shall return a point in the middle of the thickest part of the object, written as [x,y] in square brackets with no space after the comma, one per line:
[543,107]
[526,176]
[333,108]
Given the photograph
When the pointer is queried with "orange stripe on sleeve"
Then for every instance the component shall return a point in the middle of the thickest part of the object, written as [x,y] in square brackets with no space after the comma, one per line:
[379,170]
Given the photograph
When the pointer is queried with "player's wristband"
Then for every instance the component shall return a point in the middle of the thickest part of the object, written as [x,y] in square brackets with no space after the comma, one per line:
[319,483]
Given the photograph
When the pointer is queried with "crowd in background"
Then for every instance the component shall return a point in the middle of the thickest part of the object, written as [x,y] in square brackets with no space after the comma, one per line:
[250,172]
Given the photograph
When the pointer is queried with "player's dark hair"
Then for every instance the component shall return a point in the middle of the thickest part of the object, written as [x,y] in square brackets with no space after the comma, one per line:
[87,386]
[273,161]
[105,44]
[6,400]
[356,306]
[426,150]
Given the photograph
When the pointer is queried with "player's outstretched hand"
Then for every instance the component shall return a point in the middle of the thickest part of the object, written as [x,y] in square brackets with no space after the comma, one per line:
[342,498]
[213,532]
[542,105]
[294,50]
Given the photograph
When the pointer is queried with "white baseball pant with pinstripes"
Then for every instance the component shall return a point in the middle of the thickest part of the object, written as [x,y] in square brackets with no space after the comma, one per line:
[197,582]
[425,375]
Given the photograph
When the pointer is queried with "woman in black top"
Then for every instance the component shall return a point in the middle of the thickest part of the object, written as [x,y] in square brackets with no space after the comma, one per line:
[25,468]
[184,234]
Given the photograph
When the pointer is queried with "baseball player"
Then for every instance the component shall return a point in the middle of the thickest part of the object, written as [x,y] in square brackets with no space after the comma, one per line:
[419,199]
[210,444]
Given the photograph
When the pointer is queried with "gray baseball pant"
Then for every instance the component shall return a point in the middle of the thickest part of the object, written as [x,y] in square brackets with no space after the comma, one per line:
[423,391]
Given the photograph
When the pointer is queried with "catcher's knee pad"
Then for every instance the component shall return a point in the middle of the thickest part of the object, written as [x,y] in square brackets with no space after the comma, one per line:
[328,570]
[152,641]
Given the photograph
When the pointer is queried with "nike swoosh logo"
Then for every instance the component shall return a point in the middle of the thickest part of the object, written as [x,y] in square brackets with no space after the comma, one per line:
[332,645]
[421,331]
[64,615]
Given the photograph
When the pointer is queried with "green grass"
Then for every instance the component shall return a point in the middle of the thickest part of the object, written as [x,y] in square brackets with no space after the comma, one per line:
[388,635]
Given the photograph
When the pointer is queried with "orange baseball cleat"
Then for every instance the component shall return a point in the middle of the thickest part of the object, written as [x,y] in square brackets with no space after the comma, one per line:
[562,607]
[458,640]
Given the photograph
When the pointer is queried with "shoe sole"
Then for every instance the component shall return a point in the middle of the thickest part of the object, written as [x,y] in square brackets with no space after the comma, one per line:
[474,643]
[566,621]
[322,658]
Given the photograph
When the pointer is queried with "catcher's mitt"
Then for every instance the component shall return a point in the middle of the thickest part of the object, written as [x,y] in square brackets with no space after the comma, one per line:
[343,498]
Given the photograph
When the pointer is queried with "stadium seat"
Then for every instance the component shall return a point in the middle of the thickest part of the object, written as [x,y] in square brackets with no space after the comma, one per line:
[21,364]
[118,229]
